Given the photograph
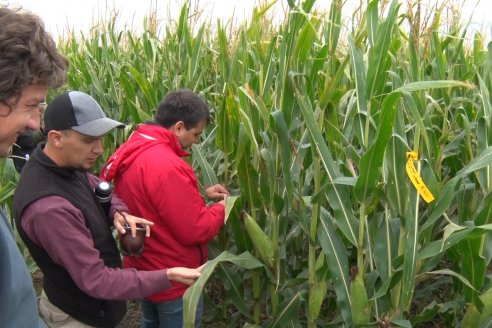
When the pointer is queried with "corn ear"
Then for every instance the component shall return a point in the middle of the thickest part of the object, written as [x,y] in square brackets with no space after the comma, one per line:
[361,312]
[262,244]
[316,296]
[473,317]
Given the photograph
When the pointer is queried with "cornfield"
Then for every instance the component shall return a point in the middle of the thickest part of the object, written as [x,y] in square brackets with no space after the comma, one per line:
[358,158]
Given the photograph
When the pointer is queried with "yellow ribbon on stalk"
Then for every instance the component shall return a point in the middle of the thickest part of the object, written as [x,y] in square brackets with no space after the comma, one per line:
[416,179]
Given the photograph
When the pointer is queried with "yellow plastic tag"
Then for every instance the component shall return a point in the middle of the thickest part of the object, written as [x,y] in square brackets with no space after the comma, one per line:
[416,178]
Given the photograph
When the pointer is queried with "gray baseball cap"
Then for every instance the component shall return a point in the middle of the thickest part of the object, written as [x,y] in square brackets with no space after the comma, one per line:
[78,111]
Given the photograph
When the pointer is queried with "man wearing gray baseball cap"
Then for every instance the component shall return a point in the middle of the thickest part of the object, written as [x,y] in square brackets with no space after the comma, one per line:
[68,232]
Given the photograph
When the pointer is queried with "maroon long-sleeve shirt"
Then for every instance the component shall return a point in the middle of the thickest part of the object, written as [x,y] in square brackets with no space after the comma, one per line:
[69,243]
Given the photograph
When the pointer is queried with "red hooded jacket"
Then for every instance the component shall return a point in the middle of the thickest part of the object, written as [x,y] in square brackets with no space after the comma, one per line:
[157,184]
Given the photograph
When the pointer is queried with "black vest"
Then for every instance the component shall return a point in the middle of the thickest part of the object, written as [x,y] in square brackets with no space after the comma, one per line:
[41,177]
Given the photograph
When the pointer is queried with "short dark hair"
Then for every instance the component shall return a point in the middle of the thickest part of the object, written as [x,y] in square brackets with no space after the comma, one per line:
[182,105]
[28,55]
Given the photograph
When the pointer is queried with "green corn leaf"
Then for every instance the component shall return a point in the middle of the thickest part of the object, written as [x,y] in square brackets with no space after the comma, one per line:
[246,172]
[387,285]
[385,245]
[247,121]
[248,184]
[196,55]
[411,105]
[336,256]
[377,67]
[258,104]
[285,154]
[437,50]
[453,274]
[484,139]
[338,195]
[307,38]
[334,25]
[230,202]
[194,292]
[228,124]
[207,172]
[396,186]
[411,248]
[446,196]
[402,323]
[473,269]
[372,21]
[332,84]
[360,80]
[289,314]
[7,191]
[485,98]
[268,187]
[263,10]
[372,160]
[436,84]
[437,247]
[143,84]
[234,285]
[483,217]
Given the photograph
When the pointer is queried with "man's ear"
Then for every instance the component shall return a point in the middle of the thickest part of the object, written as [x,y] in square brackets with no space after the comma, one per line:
[178,127]
[55,138]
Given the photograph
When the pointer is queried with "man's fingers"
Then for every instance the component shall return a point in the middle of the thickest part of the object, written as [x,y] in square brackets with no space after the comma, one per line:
[118,226]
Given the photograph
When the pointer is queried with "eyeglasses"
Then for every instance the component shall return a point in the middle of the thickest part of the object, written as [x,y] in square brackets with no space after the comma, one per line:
[41,106]
[6,108]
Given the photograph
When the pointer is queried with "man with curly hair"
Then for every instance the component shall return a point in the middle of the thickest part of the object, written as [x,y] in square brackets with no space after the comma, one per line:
[30,65]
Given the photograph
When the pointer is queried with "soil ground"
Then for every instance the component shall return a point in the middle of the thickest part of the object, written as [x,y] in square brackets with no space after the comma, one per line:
[132,317]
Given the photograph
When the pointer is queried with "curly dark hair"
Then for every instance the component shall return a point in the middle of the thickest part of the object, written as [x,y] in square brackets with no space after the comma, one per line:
[182,105]
[28,55]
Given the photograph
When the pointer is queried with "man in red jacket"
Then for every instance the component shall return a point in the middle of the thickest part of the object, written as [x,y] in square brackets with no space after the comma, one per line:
[155,182]
[68,231]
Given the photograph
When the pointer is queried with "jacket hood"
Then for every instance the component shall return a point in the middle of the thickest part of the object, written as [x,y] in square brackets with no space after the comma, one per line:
[144,137]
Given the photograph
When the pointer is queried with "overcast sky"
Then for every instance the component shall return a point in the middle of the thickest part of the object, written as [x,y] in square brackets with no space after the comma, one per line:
[81,14]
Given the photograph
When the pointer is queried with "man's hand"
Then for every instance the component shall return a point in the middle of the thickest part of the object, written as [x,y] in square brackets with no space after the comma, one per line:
[217,191]
[120,219]
[184,275]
